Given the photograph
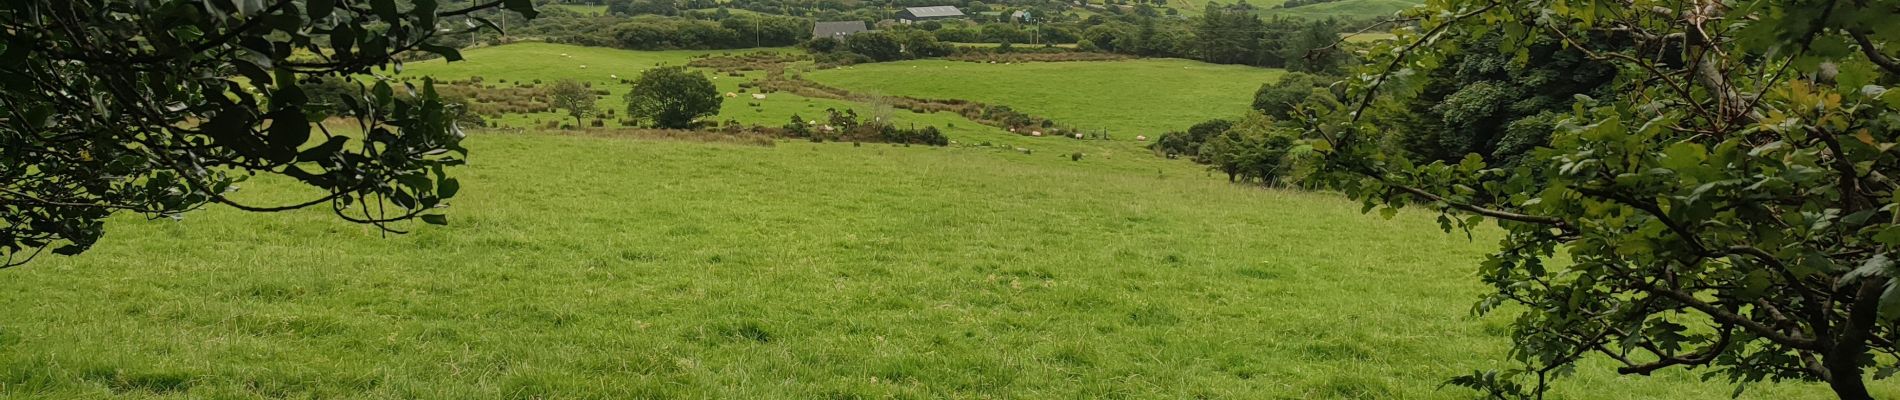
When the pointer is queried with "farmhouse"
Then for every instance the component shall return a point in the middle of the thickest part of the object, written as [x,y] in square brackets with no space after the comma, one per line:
[914,14]
[837,29]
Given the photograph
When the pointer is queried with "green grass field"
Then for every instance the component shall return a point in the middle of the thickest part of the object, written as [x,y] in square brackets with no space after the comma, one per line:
[1144,97]
[1345,9]
[586,267]
[1188,97]
[1353,9]
[590,266]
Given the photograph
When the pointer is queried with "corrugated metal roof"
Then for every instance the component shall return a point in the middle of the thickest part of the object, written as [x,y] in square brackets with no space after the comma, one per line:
[935,11]
[837,28]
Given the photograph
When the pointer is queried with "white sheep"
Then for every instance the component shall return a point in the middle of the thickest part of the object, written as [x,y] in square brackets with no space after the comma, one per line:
[1035,133]
[1078,136]
[1141,138]
[758,96]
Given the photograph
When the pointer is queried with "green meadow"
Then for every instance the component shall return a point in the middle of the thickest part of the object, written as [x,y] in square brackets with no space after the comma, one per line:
[1344,9]
[1135,97]
[594,266]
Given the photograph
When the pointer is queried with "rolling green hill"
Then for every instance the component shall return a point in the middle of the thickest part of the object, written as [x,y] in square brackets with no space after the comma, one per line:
[585,265]
[592,267]
[1144,97]
[1355,9]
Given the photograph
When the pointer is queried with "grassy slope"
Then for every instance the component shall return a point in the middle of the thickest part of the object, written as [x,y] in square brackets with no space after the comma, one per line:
[549,62]
[1144,97]
[601,267]
[598,267]
[1356,9]
[1349,9]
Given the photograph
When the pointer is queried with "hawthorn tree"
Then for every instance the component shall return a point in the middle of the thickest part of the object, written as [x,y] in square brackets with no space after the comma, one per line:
[1729,207]
[159,107]
[574,97]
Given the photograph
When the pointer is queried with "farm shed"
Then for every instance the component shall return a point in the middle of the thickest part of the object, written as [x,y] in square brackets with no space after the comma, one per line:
[913,14]
[837,29]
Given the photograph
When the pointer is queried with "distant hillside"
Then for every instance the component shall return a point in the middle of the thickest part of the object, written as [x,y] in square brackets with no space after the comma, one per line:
[1346,9]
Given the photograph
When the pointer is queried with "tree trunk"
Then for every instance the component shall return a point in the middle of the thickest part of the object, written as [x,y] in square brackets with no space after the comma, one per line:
[1848,385]
[1843,361]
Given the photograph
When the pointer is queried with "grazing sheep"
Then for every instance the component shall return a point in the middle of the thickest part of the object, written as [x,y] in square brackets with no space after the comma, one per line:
[1035,133]
[1141,138]
[1078,136]
[583,66]
[613,76]
[731,94]
[759,96]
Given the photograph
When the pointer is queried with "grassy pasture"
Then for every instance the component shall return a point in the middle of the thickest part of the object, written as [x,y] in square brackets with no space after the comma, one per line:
[583,266]
[550,62]
[589,267]
[1144,97]
[1356,9]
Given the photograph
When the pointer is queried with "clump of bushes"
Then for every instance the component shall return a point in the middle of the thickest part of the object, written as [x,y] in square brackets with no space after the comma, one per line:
[1252,150]
[847,126]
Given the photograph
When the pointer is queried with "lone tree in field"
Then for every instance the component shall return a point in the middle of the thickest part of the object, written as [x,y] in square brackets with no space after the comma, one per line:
[574,97]
[672,97]
[161,107]
[1730,207]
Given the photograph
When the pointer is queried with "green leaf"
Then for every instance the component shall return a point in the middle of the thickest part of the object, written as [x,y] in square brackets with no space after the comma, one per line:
[435,219]
[1878,265]
[524,7]
[385,9]
[288,131]
[318,9]
[448,188]
[449,54]
[1889,236]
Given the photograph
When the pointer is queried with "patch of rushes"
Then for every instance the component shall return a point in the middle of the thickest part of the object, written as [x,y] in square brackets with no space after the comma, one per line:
[776,80]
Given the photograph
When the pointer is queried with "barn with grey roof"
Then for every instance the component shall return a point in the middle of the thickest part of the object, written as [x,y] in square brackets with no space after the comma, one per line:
[929,13]
[837,29]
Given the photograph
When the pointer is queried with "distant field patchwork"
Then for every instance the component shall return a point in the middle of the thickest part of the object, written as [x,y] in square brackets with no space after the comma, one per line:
[1144,97]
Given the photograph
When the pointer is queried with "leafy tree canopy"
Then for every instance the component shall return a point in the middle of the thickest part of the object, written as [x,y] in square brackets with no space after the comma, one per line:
[1727,204]
[574,97]
[161,107]
[672,97]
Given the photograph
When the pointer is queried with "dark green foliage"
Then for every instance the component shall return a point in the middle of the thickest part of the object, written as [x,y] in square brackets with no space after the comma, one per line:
[877,46]
[1311,49]
[160,107]
[1175,144]
[1471,105]
[1229,36]
[1670,196]
[1279,99]
[672,97]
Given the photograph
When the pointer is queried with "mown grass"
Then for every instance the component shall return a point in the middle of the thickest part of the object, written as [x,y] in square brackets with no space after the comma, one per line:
[588,267]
